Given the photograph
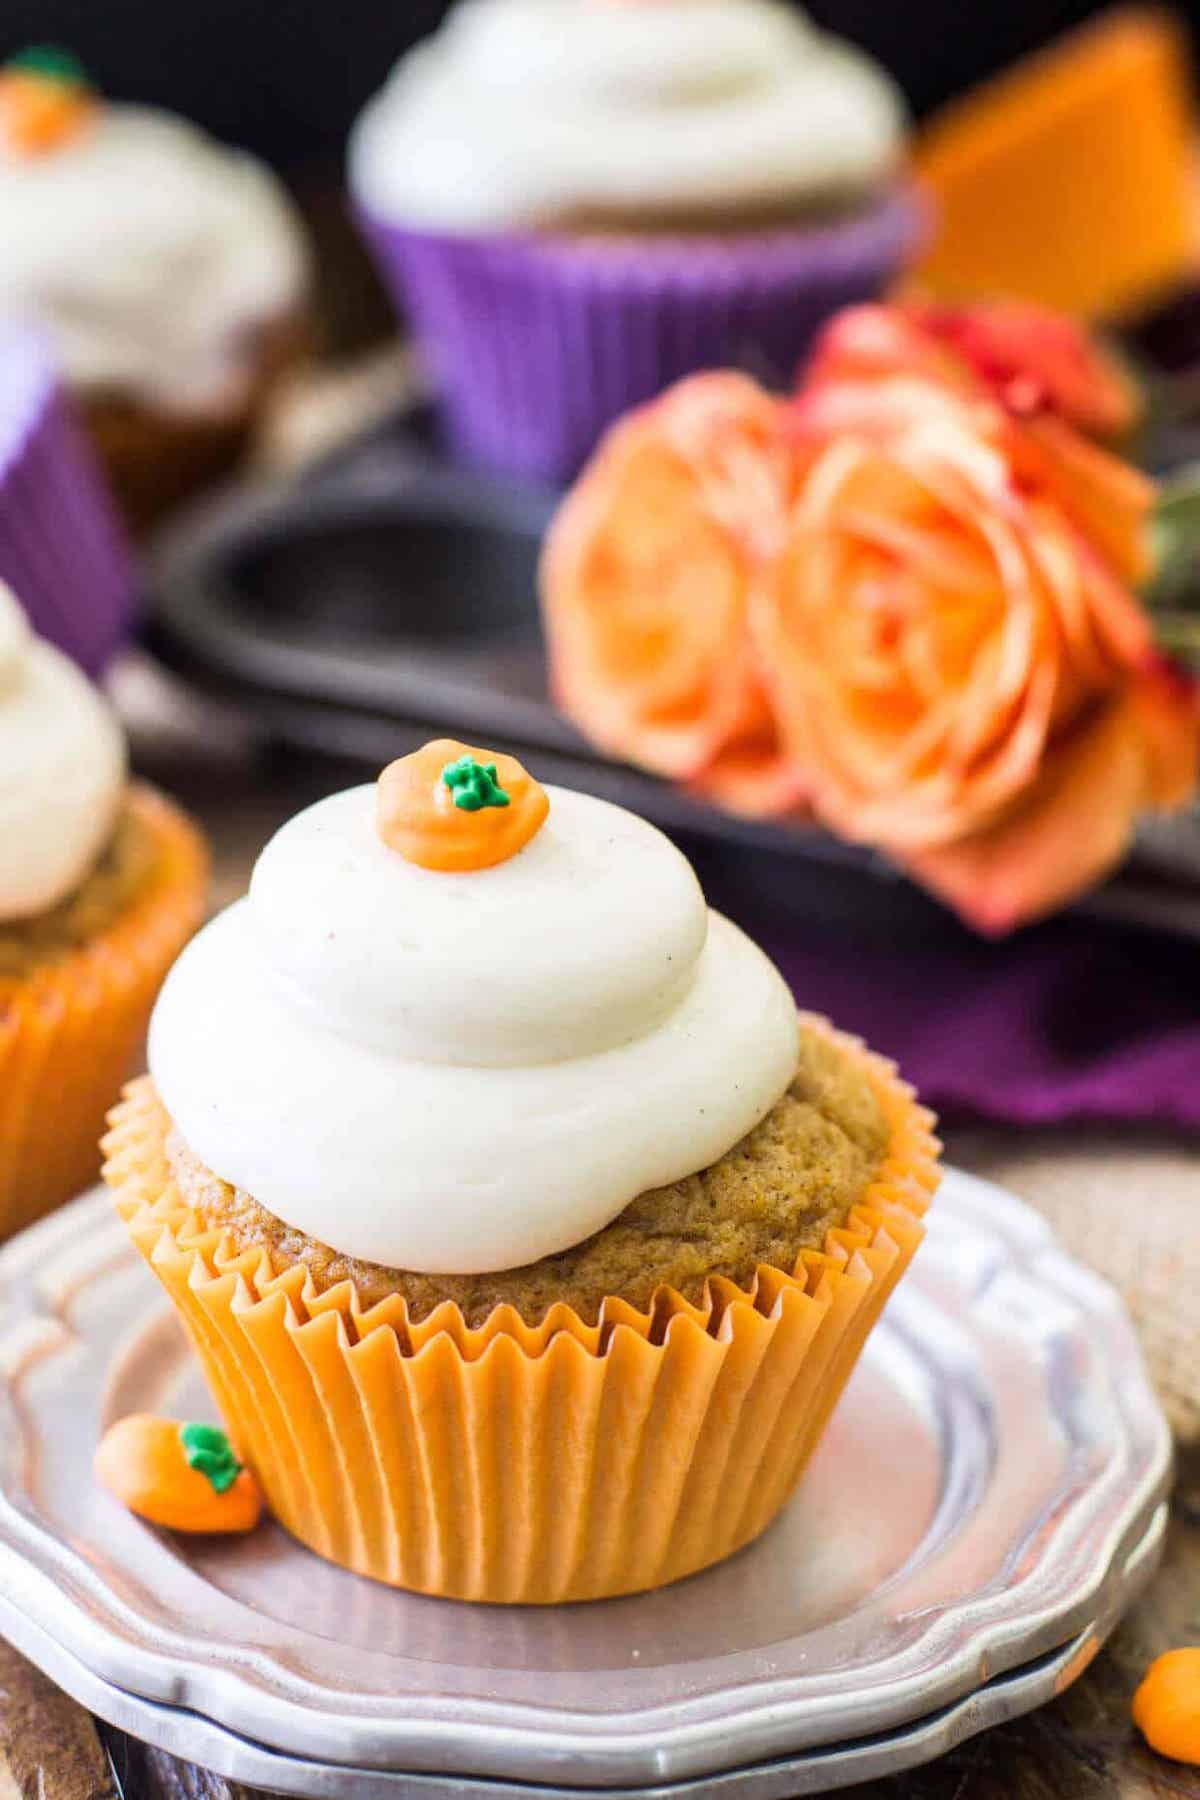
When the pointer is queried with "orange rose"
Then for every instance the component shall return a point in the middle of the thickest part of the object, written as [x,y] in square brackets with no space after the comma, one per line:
[897,598]
[956,658]
[648,576]
[1032,360]
[867,355]
[1036,361]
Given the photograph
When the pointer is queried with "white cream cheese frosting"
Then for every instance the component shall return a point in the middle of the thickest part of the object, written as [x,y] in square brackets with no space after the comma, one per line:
[62,770]
[456,1073]
[152,256]
[520,112]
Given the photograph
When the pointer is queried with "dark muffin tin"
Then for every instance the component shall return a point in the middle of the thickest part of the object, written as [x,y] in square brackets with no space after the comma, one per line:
[386,597]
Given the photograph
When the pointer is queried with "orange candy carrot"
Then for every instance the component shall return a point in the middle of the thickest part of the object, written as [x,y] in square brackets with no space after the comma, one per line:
[1166,1708]
[185,1477]
[454,809]
[45,101]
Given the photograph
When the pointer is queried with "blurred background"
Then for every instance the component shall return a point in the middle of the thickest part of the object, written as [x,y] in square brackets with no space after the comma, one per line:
[286,79]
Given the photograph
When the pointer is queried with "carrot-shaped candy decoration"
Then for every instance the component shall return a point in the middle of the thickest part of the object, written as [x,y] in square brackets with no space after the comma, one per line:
[185,1477]
[45,101]
[451,808]
[1166,1708]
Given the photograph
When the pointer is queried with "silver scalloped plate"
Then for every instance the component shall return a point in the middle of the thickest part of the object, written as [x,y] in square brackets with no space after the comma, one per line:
[984,1502]
[203,1741]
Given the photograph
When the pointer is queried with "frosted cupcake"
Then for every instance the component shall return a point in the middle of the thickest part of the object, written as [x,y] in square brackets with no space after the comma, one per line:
[526,1234]
[101,884]
[167,269]
[578,202]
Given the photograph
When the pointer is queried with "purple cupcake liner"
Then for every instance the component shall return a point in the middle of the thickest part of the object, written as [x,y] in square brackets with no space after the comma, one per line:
[536,344]
[62,550]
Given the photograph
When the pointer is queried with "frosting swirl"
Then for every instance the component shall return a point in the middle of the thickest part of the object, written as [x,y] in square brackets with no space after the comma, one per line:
[151,255]
[459,1073]
[62,770]
[524,112]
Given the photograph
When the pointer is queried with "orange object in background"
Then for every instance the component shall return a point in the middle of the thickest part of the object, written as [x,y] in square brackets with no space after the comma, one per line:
[1166,1707]
[1069,178]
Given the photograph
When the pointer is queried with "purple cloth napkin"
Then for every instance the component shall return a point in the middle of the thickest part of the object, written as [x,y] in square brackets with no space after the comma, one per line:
[1068,1022]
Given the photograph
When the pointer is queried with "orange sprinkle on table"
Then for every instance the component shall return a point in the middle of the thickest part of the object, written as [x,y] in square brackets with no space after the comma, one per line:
[1166,1707]
[184,1477]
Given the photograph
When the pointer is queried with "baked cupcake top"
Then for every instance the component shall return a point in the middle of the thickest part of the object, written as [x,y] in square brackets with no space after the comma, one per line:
[458,1070]
[526,113]
[62,770]
[151,254]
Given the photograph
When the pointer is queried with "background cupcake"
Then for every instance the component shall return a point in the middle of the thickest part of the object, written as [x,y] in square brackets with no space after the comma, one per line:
[61,546]
[579,203]
[556,1232]
[101,884]
[167,270]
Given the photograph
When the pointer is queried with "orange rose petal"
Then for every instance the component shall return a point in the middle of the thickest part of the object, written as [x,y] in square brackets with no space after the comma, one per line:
[876,410]
[755,779]
[1076,823]
[1167,705]
[1034,357]
[870,343]
[878,773]
[971,797]
[1033,360]
[648,570]
[989,697]
[1109,499]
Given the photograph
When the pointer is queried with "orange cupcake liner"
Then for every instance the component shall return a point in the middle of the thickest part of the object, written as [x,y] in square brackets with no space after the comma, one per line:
[71,1032]
[527,1463]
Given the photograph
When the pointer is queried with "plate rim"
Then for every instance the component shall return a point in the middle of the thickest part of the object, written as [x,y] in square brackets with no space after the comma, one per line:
[196,1737]
[663,1743]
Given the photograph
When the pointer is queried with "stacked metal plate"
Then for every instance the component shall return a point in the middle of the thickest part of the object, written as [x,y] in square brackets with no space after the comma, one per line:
[987,1499]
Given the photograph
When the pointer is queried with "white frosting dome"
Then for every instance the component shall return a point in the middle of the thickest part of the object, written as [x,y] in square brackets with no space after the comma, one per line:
[460,1073]
[518,112]
[151,254]
[62,770]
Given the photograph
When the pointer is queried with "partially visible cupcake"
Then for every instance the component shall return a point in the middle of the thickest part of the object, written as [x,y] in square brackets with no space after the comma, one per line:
[168,270]
[62,547]
[101,884]
[526,1234]
[577,202]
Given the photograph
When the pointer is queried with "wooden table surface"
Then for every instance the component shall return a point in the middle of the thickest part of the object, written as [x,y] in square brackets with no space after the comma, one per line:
[1082,1747]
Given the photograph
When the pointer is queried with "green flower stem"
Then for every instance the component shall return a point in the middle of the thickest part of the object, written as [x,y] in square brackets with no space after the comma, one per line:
[1173,591]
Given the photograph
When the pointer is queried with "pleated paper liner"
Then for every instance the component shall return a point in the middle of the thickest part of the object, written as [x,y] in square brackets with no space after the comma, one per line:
[516,1462]
[538,342]
[71,1032]
[62,549]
